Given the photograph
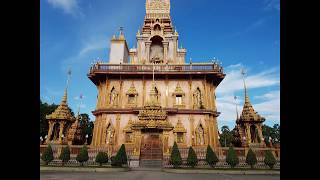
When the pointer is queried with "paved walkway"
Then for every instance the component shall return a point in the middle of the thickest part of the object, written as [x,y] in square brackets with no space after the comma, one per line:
[148,175]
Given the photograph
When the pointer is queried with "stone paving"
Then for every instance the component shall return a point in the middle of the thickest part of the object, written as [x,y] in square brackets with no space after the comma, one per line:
[146,175]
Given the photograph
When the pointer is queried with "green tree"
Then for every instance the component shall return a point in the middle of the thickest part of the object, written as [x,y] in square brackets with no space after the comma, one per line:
[192,159]
[232,158]
[273,132]
[65,155]
[269,159]
[251,158]
[226,136]
[47,155]
[211,157]
[122,154]
[120,158]
[45,109]
[101,158]
[83,155]
[175,157]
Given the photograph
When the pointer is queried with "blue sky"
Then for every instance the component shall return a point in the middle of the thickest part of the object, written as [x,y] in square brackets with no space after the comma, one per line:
[240,33]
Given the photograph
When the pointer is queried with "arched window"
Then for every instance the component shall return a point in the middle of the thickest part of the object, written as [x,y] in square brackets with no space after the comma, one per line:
[110,134]
[198,99]
[200,135]
[253,133]
[156,50]
[157,27]
[113,99]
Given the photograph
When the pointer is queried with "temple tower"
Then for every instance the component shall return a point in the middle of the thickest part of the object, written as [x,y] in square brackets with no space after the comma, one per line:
[156,98]
[249,124]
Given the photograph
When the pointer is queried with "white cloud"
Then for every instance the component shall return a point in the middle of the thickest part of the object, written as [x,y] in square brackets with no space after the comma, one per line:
[68,6]
[269,103]
[272,5]
[92,46]
[233,81]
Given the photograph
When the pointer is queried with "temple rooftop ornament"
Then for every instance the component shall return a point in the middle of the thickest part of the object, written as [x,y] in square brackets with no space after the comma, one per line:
[248,113]
[62,112]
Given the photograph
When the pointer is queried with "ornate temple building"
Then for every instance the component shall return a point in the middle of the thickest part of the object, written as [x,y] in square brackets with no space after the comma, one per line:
[249,124]
[149,97]
[64,128]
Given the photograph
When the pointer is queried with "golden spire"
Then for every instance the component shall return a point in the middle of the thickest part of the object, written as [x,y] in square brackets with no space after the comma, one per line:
[65,95]
[63,112]
[248,113]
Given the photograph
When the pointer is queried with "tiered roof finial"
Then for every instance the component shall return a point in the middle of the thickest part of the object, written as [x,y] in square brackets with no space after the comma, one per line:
[248,113]
[63,112]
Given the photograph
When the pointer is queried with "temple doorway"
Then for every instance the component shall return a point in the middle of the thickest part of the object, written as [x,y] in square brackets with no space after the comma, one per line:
[151,146]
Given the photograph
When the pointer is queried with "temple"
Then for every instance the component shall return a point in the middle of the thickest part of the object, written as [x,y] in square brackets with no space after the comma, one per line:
[64,128]
[249,124]
[149,97]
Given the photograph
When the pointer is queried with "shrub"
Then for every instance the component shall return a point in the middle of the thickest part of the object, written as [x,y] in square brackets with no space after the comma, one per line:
[101,158]
[251,158]
[65,155]
[232,158]
[269,159]
[211,157]
[114,161]
[192,159]
[47,155]
[83,155]
[120,158]
[175,157]
[122,154]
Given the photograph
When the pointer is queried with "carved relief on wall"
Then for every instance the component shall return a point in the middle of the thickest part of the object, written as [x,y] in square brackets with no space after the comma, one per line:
[200,133]
[179,97]
[110,134]
[198,99]
[128,132]
[113,97]
[132,96]
[180,133]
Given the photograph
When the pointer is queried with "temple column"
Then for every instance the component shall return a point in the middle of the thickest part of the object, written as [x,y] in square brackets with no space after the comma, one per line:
[190,93]
[144,91]
[165,142]
[51,124]
[260,133]
[248,138]
[120,93]
[61,131]
[167,90]
[137,142]
[191,130]
[205,93]
[148,44]
[117,129]
[165,51]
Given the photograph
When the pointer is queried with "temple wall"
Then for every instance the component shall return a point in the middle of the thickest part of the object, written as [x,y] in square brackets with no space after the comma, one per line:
[104,90]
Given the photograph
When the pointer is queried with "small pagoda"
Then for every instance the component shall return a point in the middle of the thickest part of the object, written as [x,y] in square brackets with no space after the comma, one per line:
[59,122]
[249,125]
[64,128]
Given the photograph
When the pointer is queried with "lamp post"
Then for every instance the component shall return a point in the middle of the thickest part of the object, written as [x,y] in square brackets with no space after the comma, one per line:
[62,136]
[87,139]
[244,140]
